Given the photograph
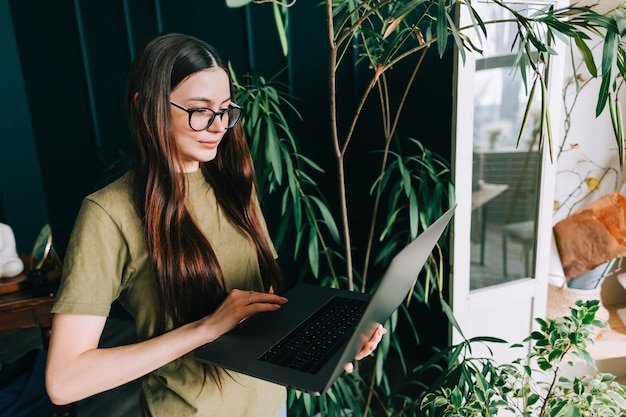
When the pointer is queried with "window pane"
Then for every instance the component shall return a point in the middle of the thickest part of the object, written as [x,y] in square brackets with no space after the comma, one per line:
[506,175]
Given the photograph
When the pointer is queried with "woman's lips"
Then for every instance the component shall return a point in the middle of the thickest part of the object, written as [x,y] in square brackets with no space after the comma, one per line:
[210,144]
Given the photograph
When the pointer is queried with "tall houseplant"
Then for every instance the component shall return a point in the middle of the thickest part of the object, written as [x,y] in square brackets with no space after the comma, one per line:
[412,186]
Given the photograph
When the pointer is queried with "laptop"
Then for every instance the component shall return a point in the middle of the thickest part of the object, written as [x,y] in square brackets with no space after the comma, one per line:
[305,344]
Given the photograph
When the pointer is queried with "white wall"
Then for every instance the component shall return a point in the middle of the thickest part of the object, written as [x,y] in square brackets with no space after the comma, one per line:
[590,149]
[589,152]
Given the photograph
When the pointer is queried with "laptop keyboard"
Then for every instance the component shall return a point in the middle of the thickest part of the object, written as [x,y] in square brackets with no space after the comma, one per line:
[319,337]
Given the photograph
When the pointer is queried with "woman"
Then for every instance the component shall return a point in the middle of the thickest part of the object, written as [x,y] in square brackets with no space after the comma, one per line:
[179,240]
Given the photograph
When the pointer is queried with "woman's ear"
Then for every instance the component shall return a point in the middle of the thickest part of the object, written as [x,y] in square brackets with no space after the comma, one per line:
[136,96]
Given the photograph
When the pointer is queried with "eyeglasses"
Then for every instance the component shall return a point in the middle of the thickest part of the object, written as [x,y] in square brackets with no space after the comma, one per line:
[200,118]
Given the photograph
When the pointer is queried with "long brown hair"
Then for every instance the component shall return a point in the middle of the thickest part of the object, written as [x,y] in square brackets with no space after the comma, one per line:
[189,279]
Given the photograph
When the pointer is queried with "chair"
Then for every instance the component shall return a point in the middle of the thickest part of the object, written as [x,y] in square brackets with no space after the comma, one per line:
[522,233]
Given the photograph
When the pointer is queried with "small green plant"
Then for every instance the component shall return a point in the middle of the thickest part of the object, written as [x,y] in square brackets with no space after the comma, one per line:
[542,383]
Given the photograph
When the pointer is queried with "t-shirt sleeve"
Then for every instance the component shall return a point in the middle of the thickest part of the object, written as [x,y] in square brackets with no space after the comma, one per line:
[93,265]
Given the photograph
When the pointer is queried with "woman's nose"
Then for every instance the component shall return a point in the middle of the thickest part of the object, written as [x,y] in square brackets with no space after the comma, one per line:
[219,124]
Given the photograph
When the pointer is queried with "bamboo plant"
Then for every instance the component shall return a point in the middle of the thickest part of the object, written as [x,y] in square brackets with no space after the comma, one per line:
[413,184]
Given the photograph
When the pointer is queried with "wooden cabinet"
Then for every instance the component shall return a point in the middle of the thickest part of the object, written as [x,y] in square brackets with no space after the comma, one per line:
[26,302]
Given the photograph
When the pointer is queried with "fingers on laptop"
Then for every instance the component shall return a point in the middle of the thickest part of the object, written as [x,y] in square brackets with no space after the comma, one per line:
[254,297]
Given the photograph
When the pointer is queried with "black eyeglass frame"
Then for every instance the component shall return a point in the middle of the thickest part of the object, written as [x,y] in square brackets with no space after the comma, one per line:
[190,112]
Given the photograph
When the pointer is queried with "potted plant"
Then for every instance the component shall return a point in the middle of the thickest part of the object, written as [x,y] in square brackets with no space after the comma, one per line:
[556,377]
[412,185]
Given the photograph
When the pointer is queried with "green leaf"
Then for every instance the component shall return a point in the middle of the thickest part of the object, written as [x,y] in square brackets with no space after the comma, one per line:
[272,150]
[308,404]
[457,37]
[609,58]
[620,400]
[450,315]
[527,112]
[587,56]
[456,397]
[538,336]
[546,120]
[327,216]
[380,358]
[442,27]
[619,135]
[313,252]
[280,26]
[439,402]
[489,339]
[616,121]
[533,399]
[620,21]
[391,218]
[238,3]
[401,9]
[571,411]
[413,214]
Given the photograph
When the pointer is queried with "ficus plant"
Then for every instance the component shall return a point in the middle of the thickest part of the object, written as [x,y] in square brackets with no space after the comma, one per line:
[545,381]
[413,185]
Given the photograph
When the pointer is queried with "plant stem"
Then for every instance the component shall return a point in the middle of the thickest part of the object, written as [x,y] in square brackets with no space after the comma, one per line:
[370,394]
[389,135]
[574,204]
[348,32]
[335,139]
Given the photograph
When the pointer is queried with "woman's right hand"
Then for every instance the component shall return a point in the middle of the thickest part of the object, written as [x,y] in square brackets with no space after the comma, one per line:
[74,356]
[238,306]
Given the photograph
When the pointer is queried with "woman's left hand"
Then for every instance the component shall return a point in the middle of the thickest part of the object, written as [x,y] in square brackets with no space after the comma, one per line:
[369,347]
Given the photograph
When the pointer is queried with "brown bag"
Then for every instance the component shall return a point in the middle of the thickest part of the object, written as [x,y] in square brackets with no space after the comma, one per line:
[592,235]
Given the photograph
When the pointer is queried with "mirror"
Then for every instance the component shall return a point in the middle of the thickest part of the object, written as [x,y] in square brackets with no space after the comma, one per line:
[506,174]
[43,251]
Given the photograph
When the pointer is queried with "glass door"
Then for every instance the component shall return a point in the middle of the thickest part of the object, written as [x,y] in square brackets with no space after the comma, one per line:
[505,175]
[504,215]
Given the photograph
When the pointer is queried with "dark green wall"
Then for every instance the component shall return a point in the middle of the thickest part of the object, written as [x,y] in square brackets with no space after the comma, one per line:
[66,135]
[62,130]
[22,202]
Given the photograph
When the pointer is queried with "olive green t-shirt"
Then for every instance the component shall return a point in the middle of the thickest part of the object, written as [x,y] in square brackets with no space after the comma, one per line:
[107,259]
